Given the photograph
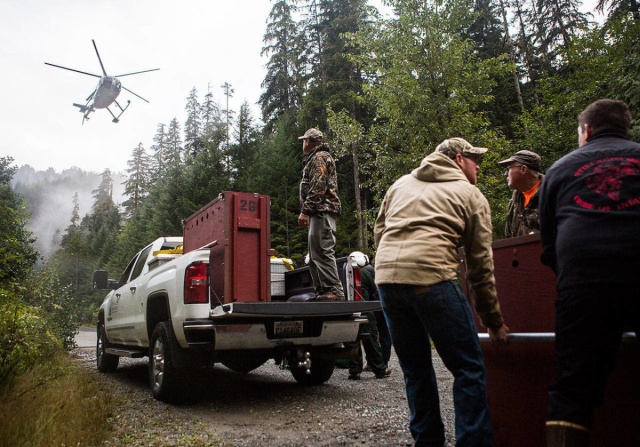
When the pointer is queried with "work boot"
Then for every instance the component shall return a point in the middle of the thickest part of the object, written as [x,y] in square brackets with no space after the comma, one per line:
[354,376]
[566,434]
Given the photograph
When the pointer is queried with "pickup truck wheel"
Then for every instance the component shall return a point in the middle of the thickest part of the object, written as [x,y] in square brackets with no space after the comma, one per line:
[321,371]
[244,364]
[105,363]
[164,377]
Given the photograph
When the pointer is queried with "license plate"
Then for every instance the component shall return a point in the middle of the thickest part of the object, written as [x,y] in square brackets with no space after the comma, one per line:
[287,328]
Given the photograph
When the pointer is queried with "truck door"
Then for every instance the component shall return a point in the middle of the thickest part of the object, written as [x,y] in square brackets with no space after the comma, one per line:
[137,294]
[116,318]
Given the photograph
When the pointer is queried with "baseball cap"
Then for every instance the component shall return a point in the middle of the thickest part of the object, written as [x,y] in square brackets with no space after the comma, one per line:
[528,158]
[453,146]
[311,134]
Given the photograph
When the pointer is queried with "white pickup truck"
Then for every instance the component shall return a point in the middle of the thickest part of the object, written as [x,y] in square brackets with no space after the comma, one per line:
[170,307]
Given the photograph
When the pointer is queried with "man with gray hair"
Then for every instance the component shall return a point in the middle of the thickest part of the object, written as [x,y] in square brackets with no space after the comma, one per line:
[523,176]
[320,207]
[423,220]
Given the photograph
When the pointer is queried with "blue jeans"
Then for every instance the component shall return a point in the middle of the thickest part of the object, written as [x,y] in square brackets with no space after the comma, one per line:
[441,313]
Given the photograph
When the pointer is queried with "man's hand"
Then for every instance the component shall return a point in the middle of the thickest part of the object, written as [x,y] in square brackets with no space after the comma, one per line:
[498,336]
[303,220]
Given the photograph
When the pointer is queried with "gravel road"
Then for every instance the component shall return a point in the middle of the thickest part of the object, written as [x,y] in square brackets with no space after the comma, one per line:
[264,408]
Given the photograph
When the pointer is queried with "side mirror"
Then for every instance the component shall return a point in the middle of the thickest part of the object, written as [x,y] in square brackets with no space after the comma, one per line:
[101,281]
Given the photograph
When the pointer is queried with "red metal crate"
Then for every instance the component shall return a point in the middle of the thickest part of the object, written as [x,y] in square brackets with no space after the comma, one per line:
[519,375]
[239,264]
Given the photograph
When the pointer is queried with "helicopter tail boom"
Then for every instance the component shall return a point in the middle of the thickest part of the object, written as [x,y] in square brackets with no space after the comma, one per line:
[84,109]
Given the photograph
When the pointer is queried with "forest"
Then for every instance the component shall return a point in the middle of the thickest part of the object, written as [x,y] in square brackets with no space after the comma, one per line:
[385,90]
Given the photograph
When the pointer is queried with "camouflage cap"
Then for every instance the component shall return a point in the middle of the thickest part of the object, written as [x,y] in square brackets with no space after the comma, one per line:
[311,134]
[528,158]
[454,146]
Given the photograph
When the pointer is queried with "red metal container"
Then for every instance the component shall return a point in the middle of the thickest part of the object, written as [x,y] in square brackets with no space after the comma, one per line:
[519,375]
[237,226]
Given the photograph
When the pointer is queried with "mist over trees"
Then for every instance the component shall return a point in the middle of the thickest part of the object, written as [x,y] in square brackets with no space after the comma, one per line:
[504,74]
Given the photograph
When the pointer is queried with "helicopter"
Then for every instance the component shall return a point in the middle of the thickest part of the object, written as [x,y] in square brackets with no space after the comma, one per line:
[106,92]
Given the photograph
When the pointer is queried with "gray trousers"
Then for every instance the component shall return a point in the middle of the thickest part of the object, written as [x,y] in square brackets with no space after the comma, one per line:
[322,259]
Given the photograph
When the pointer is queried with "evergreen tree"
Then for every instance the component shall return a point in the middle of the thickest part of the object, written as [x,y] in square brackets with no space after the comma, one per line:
[159,151]
[618,8]
[284,82]
[275,171]
[242,152]
[534,64]
[192,126]
[205,178]
[212,127]
[139,180]
[174,149]
[17,255]
[228,117]
[557,21]
[334,79]
[104,221]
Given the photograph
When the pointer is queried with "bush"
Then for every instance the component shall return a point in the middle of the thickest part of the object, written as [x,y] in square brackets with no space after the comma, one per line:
[37,318]
[26,338]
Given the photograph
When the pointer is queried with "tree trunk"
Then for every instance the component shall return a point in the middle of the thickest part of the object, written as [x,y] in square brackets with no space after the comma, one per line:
[512,56]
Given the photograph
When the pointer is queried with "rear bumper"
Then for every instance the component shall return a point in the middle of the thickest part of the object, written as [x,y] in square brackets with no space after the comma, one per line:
[222,336]
[250,325]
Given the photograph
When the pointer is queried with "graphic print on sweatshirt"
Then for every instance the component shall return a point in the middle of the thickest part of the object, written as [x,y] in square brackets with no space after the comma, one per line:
[615,182]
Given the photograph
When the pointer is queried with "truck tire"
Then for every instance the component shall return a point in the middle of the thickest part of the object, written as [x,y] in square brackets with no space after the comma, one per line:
[321,371]
[163,375]
[244,363]
[105,363]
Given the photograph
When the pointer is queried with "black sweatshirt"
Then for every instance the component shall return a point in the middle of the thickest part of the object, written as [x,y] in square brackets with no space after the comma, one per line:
[590,214]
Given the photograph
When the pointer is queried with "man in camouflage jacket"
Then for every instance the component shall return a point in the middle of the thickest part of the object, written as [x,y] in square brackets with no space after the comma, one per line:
[320,207]
[523,176]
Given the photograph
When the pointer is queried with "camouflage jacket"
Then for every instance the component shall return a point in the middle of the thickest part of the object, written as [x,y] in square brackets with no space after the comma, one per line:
[522,220]
[319,185]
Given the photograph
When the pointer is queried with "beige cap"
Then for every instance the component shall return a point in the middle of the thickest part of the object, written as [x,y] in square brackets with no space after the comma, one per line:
[311,134]
[454,146]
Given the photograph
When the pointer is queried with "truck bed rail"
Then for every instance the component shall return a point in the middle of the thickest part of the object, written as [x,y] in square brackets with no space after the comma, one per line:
[543,337]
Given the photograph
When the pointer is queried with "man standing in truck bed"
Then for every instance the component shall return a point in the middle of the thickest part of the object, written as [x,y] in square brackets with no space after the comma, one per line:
[320,207]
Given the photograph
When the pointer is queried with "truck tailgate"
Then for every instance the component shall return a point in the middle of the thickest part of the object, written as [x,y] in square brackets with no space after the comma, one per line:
[289,310]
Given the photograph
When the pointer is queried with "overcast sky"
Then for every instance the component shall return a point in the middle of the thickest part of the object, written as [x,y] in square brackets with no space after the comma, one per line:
[200,44]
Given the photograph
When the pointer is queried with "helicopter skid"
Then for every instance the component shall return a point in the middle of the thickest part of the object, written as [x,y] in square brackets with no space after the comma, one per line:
[117,118]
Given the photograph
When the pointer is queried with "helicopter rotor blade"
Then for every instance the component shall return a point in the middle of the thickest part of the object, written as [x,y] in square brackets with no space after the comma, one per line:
[94,46]
[71,69]
[134,93]
[137,72]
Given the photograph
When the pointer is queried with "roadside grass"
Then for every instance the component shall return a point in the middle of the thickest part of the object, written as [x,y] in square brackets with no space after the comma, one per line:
[55,404]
